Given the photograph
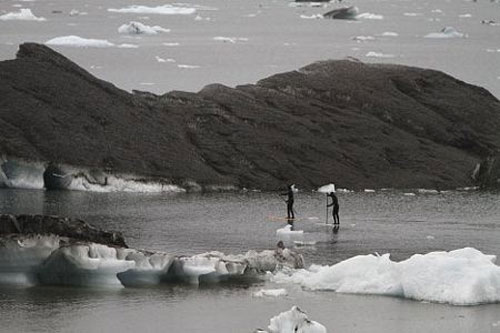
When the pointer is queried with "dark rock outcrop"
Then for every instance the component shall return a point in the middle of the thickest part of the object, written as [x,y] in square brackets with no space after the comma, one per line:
[345,13]
[355,124]
[76,230]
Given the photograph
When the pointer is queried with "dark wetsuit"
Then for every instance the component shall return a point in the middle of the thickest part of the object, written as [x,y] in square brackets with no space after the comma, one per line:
[335,211]
[289,203]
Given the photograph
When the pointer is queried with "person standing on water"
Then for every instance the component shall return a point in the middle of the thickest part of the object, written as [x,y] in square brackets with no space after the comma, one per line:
[335,204]
[289,202]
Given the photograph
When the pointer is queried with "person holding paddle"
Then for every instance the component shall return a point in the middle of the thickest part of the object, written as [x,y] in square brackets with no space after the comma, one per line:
[289,202]
[335,204]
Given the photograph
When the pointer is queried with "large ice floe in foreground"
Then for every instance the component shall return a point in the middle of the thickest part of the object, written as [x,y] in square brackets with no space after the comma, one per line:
[461,277]
[293,321]
[47,250]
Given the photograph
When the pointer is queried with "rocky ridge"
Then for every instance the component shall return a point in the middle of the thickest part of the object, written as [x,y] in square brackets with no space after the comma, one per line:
[355,124]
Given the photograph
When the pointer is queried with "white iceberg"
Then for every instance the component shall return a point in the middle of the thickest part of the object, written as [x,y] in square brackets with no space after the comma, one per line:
[373,54]
[24,14]
[162,10]
[363,38]
[328,188]
[287,231]
[389,34]
[447,32]
[293,321]
[461,277]
[271,293]
[76,41]
[138,28]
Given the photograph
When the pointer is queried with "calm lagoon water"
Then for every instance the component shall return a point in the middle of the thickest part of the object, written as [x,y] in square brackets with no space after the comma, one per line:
[384,222]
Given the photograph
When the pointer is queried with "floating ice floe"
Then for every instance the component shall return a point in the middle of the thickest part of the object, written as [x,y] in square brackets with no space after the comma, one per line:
[271,292]
[232,40]
[128,46]
[75,12]
[162,10]
[311,17]
[427,191]
[412,14]
[137,28]
[370,16]
[461,277]
[24,14]
[363,38]
[447,32]
[201,18]
[389,34]
[304,243]
[298,4]
[76,41]
[29,260]
[188,66]
[294,320]
[159,59]
[286,233]
[328,188]
[373,54]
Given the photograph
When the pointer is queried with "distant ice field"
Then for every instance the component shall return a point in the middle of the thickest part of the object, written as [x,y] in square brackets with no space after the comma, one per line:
[241,41]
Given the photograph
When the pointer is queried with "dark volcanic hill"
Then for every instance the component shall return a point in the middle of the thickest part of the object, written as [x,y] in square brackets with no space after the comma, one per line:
[358,125]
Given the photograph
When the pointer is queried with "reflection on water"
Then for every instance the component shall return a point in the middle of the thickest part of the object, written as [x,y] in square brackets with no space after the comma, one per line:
[380,222]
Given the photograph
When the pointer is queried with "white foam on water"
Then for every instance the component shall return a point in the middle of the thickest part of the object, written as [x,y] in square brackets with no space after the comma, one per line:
[447,32]
[461,277]
[465,15]
[76,41]
[171,44]
[138,28]
[24,14]
[161,10]
[270,293]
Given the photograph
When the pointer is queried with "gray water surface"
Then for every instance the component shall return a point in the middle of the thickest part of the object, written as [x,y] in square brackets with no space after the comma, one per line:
[387,221]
